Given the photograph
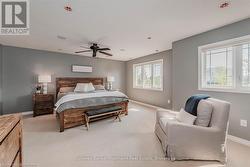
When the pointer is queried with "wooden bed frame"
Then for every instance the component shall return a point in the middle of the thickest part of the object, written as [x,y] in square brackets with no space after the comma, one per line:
[74,117]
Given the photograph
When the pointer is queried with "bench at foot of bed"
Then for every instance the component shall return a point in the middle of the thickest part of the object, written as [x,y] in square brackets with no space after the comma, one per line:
[95,114]
[74,117]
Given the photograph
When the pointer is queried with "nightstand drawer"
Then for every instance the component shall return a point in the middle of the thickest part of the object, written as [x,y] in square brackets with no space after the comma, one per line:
[43,98]
[43,111]
[44,105]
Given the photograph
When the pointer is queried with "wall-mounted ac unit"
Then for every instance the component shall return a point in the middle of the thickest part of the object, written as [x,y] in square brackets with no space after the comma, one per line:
[79,68]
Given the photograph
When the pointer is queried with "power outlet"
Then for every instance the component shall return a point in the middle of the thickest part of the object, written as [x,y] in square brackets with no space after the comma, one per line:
[243,123]
[169,101]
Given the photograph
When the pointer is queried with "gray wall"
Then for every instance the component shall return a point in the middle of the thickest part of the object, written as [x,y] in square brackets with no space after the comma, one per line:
[158,98]
[185,74]
[22,66]
[1,74]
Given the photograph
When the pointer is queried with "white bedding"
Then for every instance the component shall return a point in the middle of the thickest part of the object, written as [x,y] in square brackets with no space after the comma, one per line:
[76,96]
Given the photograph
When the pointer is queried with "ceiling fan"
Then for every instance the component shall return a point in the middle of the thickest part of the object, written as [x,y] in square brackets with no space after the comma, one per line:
[95,48]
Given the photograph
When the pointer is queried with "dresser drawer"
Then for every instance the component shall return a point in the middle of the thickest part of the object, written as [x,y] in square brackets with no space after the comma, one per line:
[16,163]
[10,146]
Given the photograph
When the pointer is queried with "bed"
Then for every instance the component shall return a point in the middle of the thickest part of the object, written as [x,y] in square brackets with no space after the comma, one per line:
[70,108]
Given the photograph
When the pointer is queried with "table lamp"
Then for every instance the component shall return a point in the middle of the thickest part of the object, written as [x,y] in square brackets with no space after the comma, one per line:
[44,79]
[110,80]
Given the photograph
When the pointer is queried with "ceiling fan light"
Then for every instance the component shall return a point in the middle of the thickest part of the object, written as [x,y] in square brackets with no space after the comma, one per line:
[224,5]
[61,37]
[68,8]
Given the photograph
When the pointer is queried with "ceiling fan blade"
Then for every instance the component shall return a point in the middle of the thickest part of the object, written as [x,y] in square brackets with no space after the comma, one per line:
[108,54]
[103,49]
[83,51]
[85,47]
[94,53]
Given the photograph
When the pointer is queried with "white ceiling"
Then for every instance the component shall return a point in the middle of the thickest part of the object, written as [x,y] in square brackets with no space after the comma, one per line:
[122,24]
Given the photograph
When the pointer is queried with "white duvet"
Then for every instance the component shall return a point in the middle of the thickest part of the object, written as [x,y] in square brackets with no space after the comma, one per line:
[76,96]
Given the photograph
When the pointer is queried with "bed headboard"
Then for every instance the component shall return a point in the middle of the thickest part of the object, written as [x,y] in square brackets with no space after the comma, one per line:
[71,82]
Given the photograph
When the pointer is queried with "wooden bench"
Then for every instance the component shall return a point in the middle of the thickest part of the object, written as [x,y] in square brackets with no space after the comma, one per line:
[116,110]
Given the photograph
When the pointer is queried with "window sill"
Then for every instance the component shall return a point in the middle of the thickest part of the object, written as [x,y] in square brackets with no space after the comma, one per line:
[159,90]
[224,90]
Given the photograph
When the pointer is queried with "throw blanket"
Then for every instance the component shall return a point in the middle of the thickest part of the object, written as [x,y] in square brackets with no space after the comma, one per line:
[192,103]
[80,100]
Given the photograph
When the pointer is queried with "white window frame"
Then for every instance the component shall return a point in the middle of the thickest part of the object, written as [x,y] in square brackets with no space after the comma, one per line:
[237,65]
[146,63]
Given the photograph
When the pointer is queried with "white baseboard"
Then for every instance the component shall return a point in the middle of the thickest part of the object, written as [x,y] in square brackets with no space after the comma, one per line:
[147,105]
[239,140]
[27,113]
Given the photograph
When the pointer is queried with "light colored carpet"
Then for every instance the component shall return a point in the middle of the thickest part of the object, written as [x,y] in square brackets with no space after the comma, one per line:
[131,142]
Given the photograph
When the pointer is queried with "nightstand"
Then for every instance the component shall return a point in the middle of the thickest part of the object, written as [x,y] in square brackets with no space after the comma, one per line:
[43,104]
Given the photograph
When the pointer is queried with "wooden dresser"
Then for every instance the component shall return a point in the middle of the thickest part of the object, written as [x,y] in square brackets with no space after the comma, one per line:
[11,140]
[43,104]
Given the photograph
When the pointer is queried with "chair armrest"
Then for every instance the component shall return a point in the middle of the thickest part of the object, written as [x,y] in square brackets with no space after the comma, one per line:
[161,113]
[183,134]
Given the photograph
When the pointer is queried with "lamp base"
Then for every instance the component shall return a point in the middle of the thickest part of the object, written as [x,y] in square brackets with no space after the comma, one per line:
[110,86]
[45,88]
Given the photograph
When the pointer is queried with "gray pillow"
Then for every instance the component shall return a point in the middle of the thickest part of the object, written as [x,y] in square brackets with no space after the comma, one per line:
[66,89]
[204,113]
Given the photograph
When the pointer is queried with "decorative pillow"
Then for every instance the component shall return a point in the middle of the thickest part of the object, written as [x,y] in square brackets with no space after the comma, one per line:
[91,87]
[81,87]
[99,87]
[204,113]
[84,87]
[185,117]
[66,89]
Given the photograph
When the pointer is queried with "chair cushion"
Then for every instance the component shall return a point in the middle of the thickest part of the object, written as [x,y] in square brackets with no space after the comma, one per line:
[204,113]
[102,110]
[185,117]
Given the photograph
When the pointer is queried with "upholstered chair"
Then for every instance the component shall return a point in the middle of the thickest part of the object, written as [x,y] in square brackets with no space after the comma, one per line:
[181,141]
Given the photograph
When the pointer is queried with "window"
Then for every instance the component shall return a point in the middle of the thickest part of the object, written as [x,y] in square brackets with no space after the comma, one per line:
[138,76]
[148,75]
[225,66]
[246,66]
[218,68]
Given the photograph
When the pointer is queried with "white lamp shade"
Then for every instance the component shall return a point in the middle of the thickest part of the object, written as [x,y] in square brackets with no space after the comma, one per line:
[44,78]
[110,79]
